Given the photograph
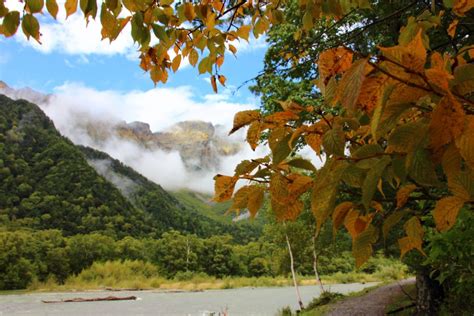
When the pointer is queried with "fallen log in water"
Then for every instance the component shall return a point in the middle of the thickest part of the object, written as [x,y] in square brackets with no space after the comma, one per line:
[96,299]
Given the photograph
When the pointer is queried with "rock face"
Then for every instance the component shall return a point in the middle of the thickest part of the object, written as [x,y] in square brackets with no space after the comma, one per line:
[200,144]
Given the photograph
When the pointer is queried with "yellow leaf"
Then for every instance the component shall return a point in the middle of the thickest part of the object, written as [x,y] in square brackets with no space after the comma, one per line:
[446,211]
[414,238]
[452,28]
[52,7]
[189,11]
[253,134]
[255,199]
[371,92]
[193,57]
[350,85]
[403,194]
[71,7]
[244,118]
[232,49]
[412,56]
[242,32]
[223,187]
[447,122]
[465,142]
[176,62]
[340,213]
[281,118]
[214,83]
[299,184]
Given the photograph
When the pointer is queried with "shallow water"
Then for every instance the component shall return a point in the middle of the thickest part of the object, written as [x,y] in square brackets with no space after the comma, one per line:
[243,301]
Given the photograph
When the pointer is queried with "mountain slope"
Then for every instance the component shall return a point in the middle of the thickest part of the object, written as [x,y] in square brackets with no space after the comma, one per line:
[45,181]
[48,182]
[182,211]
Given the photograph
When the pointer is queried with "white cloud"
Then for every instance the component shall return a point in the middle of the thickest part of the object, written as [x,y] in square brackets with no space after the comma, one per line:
[160,107]
[73,105]
[71,36]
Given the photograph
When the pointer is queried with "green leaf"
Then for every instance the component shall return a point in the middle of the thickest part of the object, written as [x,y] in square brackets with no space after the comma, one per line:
[422,168]
[205,65]
[30,27]
[372,179]
[10,24]
[307,21]
[334,141]
[89,8]
[354,176]
[324,193]
[281,150]
[35,6]
[52,7]
[362,245]
[302,164]
[246,166]
[391,221]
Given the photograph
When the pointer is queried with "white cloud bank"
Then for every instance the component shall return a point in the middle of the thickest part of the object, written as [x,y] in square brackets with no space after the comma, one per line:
[74,104]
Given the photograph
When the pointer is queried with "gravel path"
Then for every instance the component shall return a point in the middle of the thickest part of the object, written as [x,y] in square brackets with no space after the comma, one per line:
[373,303]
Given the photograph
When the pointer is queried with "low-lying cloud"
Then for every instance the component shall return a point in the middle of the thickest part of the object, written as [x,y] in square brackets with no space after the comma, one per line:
[75,109]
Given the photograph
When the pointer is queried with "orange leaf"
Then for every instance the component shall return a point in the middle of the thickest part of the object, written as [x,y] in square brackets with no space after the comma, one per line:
[465,142]
[314,141]
[219,61]
[214,83]
[403,194]
[461,7]
[447,122]
[334,61]
[222,79]
[452,28]
[340,213]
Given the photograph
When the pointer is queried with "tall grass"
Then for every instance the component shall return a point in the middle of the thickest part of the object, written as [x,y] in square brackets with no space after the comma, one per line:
[139,275]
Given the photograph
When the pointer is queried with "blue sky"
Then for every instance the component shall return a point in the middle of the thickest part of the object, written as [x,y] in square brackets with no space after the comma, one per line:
[72,58]
[22,64]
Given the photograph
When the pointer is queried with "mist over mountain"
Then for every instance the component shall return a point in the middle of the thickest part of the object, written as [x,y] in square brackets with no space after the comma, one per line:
[186,154]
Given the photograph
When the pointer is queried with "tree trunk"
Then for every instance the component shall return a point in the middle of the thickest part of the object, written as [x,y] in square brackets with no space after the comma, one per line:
[315,262]
[429,293]
[293,274]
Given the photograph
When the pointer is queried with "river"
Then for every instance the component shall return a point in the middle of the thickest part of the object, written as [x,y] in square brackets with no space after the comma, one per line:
[243,301]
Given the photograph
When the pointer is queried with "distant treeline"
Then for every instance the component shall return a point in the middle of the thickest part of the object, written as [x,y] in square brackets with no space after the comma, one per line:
[27,256]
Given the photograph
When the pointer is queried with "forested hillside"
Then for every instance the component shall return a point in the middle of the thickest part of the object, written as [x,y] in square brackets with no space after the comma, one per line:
[183,211]
[49,183]
[46,181]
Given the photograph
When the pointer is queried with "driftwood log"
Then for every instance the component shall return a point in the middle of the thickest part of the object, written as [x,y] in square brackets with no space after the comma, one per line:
[96,299]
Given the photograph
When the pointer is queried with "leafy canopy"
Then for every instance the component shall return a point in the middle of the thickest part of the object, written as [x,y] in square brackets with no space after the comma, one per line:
[395,125]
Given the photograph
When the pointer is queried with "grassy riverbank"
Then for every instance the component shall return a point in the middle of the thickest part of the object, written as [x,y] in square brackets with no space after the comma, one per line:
[137,275]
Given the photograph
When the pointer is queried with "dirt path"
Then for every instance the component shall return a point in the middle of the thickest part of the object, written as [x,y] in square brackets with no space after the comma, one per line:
[372,303]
